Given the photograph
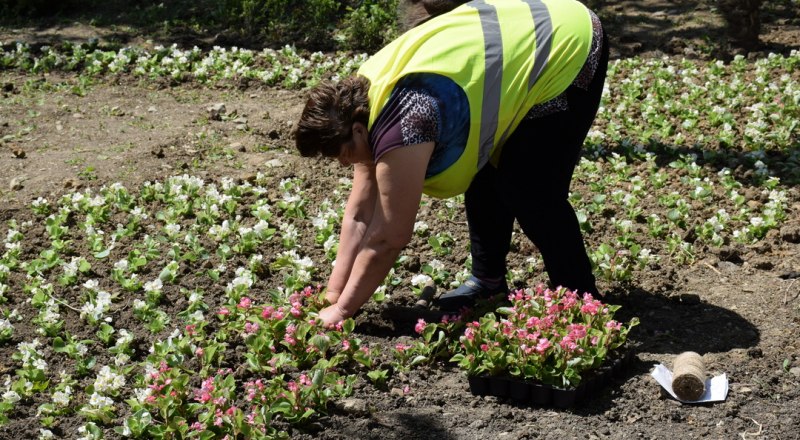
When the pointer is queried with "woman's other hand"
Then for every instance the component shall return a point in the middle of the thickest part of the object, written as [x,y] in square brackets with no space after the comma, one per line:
[332,315]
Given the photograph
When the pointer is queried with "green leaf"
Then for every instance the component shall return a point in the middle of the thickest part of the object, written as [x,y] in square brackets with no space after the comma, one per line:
[348,326]
[102,254]
[59,346]
[418,360]
[321,342]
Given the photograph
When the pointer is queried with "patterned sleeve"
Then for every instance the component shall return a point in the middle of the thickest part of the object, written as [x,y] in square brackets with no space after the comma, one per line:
[420,121]
[410,117]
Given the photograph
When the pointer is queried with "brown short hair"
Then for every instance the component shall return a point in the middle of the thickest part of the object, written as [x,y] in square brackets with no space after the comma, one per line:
[327,119]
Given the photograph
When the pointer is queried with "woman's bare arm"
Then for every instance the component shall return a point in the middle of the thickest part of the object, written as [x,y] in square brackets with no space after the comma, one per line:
[357,216]
[399,177]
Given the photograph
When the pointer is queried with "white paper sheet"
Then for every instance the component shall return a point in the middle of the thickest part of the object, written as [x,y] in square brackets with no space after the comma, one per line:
[716,387]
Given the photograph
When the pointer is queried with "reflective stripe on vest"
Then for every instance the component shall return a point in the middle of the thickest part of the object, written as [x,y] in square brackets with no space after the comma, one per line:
[506,55]
[493,47]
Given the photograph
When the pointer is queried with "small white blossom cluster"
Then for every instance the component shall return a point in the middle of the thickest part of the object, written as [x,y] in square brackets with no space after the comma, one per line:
[31,356]
[97,304]
[108,381]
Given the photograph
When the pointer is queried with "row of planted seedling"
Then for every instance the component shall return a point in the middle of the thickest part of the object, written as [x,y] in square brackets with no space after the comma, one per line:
[749,105]
[284,67]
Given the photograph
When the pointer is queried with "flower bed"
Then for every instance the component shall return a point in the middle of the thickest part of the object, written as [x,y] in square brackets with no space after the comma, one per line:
[548,346]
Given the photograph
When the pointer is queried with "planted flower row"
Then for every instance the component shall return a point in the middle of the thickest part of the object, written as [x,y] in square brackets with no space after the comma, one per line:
[283,67]
[679,102]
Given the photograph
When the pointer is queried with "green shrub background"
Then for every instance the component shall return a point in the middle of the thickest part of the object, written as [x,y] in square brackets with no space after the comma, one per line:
[358,25]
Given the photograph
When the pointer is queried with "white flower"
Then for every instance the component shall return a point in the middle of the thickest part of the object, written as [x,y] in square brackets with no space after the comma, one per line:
[142,394]
[62,398]
[99,401]
[330,242]
[197,316]
[40,364]
[11,397]
[153,286]
[125,337]
[139,213]
[436,265]
[5,324]
[121,359]
[260,227]
[420,280]
[172,229]
[45,434]
[91,284]
[108,381]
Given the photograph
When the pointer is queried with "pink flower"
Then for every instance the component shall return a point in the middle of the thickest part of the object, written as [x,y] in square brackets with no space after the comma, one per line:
[267,312]
[196,426]
[199,352]
[614,325]
[542,345]
[577,331]
[292,386]
[570,300]
[507,328]
[223,311]
[345,344]
[469,333]
[250,327]
[484,347]
[401,347]
[568,344]
[590,307]
[420,327]
[245,303]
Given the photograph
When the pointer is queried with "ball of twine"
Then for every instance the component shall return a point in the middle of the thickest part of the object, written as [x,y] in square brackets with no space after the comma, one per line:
[689,376]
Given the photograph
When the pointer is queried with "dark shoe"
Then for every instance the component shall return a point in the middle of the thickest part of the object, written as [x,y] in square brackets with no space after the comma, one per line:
[467,294]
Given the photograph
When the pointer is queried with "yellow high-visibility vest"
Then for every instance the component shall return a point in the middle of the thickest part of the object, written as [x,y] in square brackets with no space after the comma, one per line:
[507,56]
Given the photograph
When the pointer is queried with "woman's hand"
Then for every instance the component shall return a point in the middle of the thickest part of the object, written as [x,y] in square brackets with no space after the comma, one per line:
[332,315]
[332,296]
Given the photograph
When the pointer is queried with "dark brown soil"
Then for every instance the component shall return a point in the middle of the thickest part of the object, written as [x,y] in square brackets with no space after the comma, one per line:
[739,306]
